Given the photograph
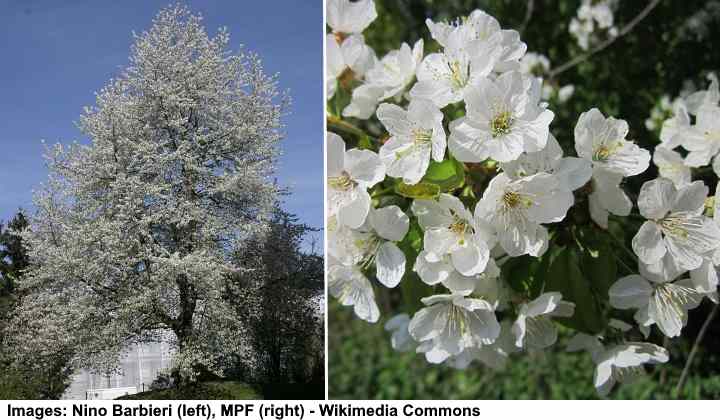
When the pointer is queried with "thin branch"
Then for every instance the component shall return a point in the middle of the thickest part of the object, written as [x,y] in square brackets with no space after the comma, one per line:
[624,31]
[528,14]
[693,352]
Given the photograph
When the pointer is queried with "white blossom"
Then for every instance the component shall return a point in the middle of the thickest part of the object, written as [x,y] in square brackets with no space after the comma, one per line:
[349,60]
[623,363]
[401,339]
[350,287]
[571,172]
[607,197]
[451,231]
[533,327]
[373,243]
[415,136]
[602,141]
[656,295]
[349,174]
[504,119]
[442,271]
[445,77]
[675,224]
[671,165]
[516,209]
[350,17]
[482,27]
[452,323]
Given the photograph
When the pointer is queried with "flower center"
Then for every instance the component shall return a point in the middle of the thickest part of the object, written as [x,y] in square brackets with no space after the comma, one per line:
[343,182]
[459,227]
[422,136]
[604,152]
[674,227]
[456,320]
[457,75]
[513,199]
[672,299]
[501,124]
[369,247]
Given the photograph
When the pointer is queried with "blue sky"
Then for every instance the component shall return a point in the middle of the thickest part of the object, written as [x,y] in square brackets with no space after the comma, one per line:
[55,54]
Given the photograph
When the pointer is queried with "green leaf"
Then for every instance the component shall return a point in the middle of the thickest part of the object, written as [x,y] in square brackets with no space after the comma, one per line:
[449,174]
[413,289]
[518,274]
[421,190]
[339,101]
[598,262]
[565,276]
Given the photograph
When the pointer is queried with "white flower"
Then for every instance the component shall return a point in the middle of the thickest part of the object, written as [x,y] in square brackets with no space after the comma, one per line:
[659,299]
[705,280]
[349,60]
[452,323]
[443,78]
[623,363]
[503,120]
[365,99]
[481,26]
[350,173]
[350,286]
[565,93]
[350,17]
[515,209]
[397,69]
[674,129]
[671,165]
[534,64]
[401,339]
[675,224]
[373,243]
[571,172]
[602,141]
[388,78]
[703,139]
[415,135]
[607,197]
[533,327]
[442,272]
[493,355]
[450,230]
[603,15]
[709,97]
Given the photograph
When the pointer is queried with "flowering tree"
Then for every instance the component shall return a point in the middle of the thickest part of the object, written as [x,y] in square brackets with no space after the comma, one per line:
[133,235]
[445,181]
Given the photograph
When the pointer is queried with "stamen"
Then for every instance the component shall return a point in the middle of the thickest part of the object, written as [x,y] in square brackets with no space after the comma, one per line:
[674,226]
[501,124]
[603,153]
[343,182]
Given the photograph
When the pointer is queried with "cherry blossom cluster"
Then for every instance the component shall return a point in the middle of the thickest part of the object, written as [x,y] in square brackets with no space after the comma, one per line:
[594,21]
[379,193]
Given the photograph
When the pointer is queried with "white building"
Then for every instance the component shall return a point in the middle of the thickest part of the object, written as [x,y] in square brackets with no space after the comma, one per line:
[138,368]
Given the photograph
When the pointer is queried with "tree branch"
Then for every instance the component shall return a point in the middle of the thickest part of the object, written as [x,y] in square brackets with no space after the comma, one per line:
[528,14]
[693,352]
[624,31]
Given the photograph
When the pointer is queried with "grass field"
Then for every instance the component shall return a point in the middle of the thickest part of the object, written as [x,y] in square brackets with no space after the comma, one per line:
[216,390]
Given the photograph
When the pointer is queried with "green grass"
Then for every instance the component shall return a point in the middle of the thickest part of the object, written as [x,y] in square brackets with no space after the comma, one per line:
[214,390]
[362,365]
